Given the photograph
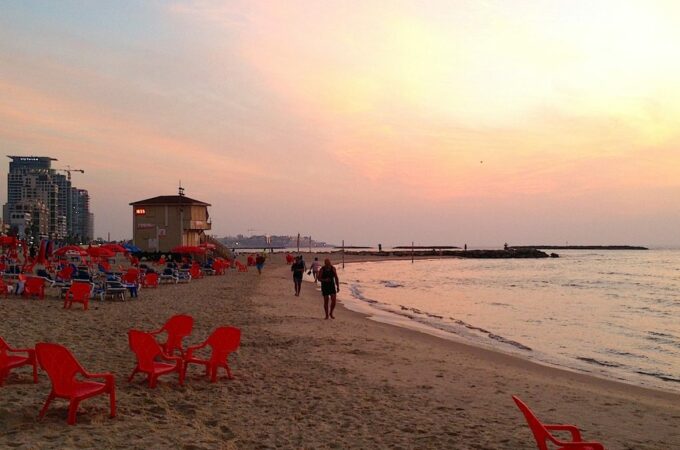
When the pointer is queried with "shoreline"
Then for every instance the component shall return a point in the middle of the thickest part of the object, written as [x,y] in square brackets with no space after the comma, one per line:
[405,319]
[423,329]
[471,374]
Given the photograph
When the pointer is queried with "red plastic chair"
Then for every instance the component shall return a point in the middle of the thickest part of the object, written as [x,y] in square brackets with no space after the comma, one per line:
[195,272]
[65,273]
[148,351]
[151,280]
[223,341]
[542,432]
[241,267]
[62,368]
[3,288]
[80,293]
[177,327]
[9,362]
[34,286]
[131,276]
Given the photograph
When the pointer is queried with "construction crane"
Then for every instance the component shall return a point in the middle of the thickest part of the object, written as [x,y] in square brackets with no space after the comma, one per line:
[68,171]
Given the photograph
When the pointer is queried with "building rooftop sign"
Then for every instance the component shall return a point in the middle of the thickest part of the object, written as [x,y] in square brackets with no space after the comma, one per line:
[32,158]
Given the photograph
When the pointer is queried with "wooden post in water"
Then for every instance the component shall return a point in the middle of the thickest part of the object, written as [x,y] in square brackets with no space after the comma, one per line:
[343,253]
[412,252]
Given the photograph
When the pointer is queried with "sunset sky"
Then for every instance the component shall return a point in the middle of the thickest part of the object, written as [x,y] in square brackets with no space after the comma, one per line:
[443,121]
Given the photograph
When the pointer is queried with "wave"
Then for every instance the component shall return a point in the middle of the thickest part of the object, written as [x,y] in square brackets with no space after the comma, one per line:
[435,320]
[391,284]
[626,354]
[597,362]
[660,376]
[663,338]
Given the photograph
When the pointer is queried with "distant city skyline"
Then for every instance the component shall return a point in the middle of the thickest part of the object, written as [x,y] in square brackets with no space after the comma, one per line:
[439,122]
[43,203]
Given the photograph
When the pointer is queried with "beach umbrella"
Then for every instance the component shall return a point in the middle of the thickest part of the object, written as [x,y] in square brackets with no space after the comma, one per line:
[188,249]
[100,252]
[70,250]
[8,241]
[115,248]
[132,248]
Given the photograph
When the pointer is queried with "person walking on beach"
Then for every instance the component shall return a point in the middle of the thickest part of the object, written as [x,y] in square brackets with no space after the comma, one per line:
[314,269]
[298,268]
[259,263]
[330,286]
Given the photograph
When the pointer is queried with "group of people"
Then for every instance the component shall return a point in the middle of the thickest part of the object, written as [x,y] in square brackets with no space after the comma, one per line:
[325,274]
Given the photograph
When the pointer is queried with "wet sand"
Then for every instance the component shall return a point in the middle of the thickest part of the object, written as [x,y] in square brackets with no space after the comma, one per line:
[304,382]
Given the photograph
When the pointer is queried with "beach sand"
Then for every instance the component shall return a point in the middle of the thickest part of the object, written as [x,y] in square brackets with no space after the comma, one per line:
[304,382]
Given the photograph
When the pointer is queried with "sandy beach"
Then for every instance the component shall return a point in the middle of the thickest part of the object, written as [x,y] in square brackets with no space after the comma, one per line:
[303,382]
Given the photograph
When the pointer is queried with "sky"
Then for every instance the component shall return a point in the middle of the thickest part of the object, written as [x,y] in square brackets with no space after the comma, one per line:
[442,122]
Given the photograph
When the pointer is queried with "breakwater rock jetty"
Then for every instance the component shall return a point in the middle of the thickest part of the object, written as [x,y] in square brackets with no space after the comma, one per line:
[581,247]
[510,252]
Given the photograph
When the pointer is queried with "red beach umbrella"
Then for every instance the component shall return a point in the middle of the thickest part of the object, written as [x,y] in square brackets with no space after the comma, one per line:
[70,249]
[8,241]
[188,249]
[115,248]
[100,252]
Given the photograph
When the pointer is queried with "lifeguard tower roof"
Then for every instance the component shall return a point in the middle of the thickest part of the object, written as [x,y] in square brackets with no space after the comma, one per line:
[170,200]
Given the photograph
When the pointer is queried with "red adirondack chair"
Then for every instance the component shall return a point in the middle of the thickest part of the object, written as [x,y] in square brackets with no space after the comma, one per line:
[150,280]
[177,327]
[34,286]
[148,351]
[62,367]
[80,293]
[9,361]
[241,267]
[223,341]
[542,432]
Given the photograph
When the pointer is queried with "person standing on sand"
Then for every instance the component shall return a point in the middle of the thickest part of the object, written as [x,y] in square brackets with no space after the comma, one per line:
[298,268]
[330,286]
[259,263]
[314,269]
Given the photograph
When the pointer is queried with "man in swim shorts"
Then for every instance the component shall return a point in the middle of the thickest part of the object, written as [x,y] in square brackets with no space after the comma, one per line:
[330,286]
[298,268]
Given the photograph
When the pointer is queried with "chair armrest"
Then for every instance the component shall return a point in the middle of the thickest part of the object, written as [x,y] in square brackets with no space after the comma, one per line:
[167,357]
[190,350]
[575,433]
[156,331]
[110,380]
[581,445]
[30,351]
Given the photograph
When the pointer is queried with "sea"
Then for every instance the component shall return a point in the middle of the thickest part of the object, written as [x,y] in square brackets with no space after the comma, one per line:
[612,314]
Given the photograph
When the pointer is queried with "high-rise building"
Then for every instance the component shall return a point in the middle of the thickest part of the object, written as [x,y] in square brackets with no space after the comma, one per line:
[63,206]
[82,220]
[39,200]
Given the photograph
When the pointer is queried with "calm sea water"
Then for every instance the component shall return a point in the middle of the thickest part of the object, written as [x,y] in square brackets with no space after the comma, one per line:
[610,313]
